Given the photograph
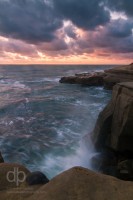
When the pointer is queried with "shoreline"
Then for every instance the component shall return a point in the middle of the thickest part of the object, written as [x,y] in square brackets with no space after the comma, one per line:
[107,78]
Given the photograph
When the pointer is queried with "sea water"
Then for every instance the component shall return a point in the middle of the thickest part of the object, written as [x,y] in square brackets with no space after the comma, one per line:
[43,123]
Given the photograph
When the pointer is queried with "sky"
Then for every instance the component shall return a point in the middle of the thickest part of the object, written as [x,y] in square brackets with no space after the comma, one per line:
[66,31]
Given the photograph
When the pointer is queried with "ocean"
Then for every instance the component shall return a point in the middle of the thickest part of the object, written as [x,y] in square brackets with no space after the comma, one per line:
[43,123]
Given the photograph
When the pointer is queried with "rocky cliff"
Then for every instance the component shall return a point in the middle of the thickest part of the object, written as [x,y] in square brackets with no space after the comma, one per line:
[118,75]
[108,78]
[114,129]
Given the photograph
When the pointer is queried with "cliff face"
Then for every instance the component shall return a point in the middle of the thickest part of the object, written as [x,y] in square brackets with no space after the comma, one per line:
[113,133]
[114,128]
[118,75]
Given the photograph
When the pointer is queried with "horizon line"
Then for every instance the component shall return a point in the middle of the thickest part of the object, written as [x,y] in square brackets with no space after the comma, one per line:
[60,64]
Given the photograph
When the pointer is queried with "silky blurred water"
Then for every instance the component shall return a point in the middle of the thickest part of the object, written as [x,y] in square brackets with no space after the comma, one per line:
[43,122]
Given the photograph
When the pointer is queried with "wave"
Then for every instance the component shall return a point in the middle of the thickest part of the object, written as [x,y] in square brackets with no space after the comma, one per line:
[50,79]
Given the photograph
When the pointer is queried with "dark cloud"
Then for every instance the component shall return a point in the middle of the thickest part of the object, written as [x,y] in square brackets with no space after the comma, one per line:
[120,28]
[37,20]
[121,5]
[115,37]
[86,14]
[30,20]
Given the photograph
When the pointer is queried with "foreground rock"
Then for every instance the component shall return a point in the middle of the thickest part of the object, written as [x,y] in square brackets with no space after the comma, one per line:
[82,184]
[36,178]
[114,130]
[77,183]
[13,184]
[12,175]
[108,78]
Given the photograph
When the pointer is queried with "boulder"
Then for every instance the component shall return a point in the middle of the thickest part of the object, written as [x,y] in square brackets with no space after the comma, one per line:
[82,184]
[36,178]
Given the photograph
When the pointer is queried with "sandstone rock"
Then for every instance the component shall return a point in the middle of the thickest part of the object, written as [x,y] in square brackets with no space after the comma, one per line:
[36,178]
[88,79]
[114,131]
[82,184]
[118,75]
[19,193]
[75,184]
[12,175]
[108,78]
[122,122]
[114,128]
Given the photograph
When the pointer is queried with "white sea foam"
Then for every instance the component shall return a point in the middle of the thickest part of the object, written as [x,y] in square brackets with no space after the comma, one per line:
[11,123]
[18,84]
[54,164]
[50,79]
[20,119]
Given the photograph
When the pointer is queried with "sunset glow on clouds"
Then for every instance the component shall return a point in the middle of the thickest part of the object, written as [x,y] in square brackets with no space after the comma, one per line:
[66,31]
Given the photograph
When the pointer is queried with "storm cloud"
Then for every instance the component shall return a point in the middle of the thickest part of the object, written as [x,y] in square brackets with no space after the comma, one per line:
[38,20]
[84,14]
[30,20]
[115,37]
[121,5]
[66,27]
[120,28]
